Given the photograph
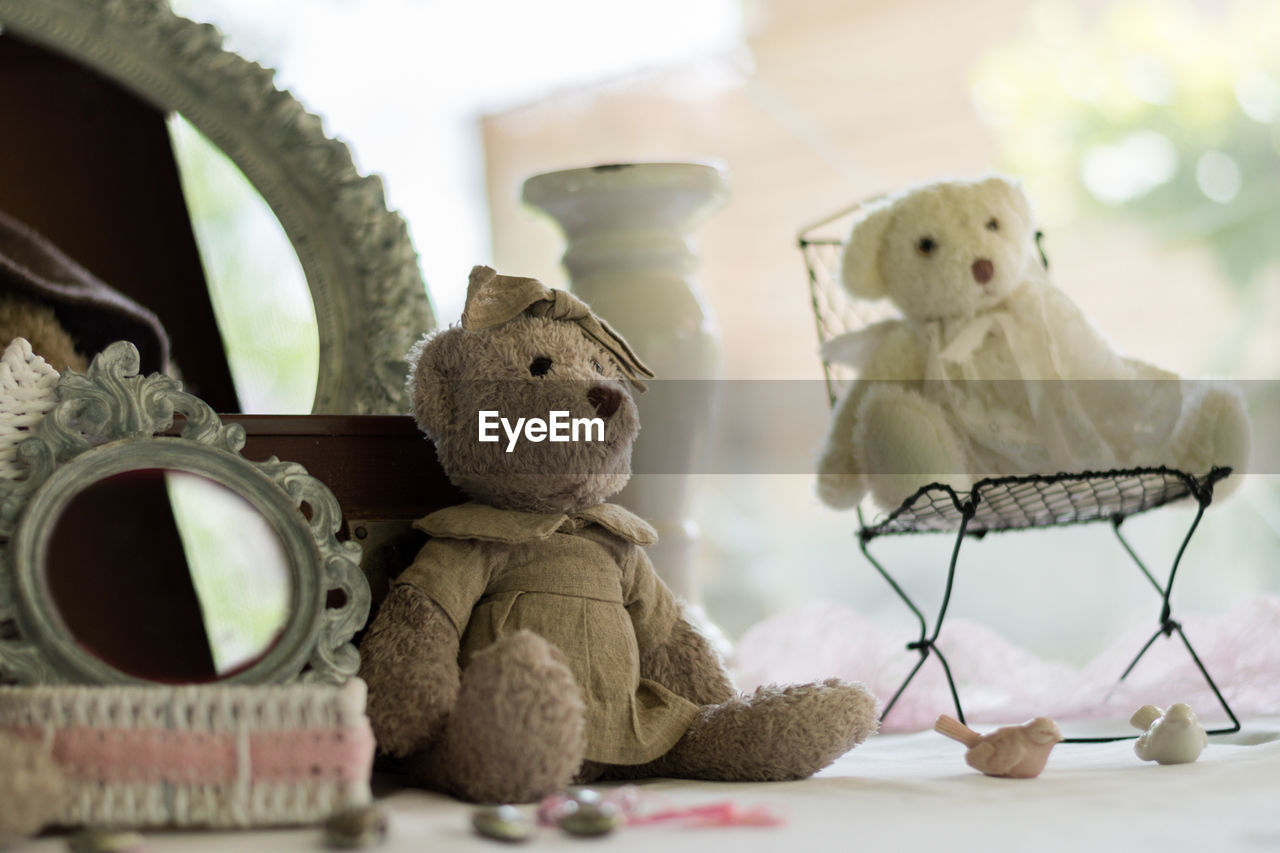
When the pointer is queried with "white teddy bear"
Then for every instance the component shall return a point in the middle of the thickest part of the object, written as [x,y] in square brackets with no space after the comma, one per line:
[991,370]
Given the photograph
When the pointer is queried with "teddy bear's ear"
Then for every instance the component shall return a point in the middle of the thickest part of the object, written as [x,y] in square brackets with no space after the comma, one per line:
[433,365]
[859,266]
[1012,192]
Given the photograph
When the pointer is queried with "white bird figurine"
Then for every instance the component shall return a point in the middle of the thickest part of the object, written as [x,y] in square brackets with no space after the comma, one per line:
[1169,737]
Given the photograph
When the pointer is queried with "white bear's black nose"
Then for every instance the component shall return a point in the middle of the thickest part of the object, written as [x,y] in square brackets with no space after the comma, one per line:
[606,400]
[983,269]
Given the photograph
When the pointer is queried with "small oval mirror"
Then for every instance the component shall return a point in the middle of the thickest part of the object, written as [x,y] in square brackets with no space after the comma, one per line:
[142,547]
[168,576]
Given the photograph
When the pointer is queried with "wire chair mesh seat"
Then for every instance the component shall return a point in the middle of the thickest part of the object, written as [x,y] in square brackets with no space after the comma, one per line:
[998,504]
[1017,503]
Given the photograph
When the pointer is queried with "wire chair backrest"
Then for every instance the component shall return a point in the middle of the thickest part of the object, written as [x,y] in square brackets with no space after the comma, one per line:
[835,311]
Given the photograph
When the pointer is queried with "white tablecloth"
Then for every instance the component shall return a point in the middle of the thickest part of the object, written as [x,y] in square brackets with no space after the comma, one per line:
[903,793]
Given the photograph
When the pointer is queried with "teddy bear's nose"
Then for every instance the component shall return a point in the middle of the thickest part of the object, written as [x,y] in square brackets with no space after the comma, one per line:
[605,399]
[983,269]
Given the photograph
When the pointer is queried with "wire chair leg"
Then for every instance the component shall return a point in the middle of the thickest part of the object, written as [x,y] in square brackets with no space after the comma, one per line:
[1168,625]
[902,594]
[927,643]
[1169,628]
[951,683]
[922,645]
[1235,722]
[924,655]
[1115,528]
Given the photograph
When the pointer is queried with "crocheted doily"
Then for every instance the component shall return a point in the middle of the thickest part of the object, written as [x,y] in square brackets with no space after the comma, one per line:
[26,394]
[208,755]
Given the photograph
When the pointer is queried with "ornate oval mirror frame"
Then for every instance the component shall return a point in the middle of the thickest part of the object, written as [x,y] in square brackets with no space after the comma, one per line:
[370,300]
[106,423]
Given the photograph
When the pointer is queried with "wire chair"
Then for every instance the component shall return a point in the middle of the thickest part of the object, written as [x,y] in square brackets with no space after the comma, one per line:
[998,504]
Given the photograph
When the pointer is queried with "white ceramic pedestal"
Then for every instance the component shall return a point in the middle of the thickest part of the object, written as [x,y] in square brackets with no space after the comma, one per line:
[629,257]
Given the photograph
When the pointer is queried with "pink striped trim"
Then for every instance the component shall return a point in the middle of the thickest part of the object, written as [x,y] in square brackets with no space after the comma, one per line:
[92,754]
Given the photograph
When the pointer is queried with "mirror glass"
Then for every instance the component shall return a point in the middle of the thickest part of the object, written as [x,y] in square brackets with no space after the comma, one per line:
[269,330]
[168,576]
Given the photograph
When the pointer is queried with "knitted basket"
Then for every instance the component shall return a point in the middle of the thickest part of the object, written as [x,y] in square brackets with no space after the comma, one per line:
[26,394]
[230,756]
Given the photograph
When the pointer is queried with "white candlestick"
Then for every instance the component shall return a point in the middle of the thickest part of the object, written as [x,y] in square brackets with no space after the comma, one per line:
[630,258]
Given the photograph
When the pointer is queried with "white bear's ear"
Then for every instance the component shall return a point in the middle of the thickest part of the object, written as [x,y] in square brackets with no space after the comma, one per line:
[859,260]
[1011,191]
[433,365]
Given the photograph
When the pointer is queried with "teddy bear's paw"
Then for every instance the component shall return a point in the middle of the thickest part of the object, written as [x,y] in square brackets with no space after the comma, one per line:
[518,731]
[1214,432]
[776,733]
[903,441]
[841,491]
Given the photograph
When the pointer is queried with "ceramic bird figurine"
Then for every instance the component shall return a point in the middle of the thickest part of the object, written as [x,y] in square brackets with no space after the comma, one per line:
[1018,752]
[1174,736]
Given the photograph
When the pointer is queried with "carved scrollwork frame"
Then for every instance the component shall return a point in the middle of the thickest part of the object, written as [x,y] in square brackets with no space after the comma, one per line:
[370,300]
[109,421]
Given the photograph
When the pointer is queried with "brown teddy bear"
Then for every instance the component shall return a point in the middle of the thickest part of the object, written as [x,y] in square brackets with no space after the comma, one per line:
[531,645]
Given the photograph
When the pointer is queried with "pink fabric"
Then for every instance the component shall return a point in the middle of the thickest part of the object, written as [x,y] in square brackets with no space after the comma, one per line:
[644,808]
[88,753]
[144,755]
[726,813]
[340,755]
[999,682]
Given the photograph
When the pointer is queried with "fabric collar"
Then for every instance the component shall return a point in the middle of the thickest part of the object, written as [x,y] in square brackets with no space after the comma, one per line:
[491,524]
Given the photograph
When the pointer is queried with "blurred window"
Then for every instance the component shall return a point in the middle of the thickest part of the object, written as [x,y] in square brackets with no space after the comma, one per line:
[1146,133]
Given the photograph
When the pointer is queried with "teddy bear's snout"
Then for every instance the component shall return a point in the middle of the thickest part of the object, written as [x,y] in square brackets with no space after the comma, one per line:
[983,270]
[606,400]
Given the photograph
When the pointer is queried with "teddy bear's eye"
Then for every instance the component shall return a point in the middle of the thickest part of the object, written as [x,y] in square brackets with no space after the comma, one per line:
[993,224]
[599,368]
[926,245]
[540,365]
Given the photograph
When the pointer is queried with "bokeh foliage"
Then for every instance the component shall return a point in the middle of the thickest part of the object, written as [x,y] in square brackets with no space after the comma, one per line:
[1164,111]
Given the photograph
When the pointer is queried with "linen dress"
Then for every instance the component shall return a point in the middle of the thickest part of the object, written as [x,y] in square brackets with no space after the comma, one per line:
[1032,387]
[581,581]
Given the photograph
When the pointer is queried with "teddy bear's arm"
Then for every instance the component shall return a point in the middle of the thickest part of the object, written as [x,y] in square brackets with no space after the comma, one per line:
[409,655]
[673,652]
[899,359]
[409,659]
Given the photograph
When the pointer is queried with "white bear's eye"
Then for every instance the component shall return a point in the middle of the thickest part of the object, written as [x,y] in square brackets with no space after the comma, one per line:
[993,224]
[540,365]
[926,245]
[599,368]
